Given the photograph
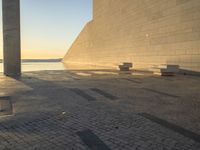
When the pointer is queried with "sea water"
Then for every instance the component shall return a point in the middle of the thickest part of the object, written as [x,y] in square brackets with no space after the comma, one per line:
[38,66]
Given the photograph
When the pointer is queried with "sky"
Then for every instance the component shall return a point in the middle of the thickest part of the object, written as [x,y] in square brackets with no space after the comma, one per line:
[49,27]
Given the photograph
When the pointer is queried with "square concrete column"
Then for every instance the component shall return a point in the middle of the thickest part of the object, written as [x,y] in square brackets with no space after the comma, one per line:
[11,37]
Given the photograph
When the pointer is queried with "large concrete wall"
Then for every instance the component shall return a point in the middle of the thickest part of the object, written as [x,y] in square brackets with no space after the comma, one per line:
[145,32]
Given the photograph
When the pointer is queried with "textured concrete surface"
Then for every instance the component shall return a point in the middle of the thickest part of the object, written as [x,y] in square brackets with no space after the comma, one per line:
[11,37]
[145,32]
[62,110]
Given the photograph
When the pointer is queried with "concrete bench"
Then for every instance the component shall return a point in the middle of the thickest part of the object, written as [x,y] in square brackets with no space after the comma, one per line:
[165,70]
[125,66]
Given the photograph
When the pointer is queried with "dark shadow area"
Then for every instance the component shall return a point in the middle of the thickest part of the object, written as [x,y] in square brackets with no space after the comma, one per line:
[6,107]
[92,140]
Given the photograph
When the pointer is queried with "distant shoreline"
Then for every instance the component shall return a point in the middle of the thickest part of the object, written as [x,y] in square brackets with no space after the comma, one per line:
[38,60]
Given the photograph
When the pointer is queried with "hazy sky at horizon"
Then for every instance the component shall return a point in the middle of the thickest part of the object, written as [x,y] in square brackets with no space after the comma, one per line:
[49,27]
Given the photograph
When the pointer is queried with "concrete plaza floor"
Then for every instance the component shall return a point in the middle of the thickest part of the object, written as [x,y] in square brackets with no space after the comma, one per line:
[100,110]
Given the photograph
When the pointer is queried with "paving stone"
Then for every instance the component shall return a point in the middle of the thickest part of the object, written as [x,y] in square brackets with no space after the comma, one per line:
[50,117]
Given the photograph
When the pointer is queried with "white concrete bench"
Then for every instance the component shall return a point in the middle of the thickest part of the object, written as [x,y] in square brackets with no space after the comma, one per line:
[165,70]
[125,66]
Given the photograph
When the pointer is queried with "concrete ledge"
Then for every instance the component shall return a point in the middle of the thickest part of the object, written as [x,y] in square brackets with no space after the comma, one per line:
[165,70]
[189,72]
[125,66]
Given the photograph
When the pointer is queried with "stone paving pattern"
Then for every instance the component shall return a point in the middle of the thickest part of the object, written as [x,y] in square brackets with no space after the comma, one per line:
[48,114]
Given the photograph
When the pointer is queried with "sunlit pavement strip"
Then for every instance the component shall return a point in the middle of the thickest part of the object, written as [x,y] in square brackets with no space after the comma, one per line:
[104,73]
[62,115]
[83,74]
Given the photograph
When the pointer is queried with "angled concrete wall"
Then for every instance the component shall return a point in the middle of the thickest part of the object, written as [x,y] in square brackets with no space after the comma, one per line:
[145,32]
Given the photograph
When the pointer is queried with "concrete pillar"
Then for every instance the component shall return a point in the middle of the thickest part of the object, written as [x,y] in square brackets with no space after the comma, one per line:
[11,37]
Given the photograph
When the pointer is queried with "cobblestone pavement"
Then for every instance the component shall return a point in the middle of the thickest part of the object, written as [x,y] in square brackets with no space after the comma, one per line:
[100,110]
